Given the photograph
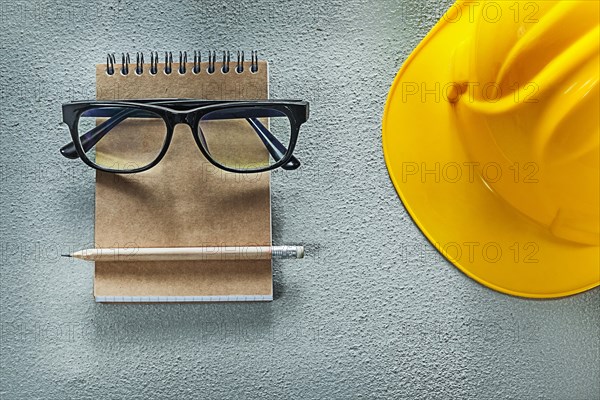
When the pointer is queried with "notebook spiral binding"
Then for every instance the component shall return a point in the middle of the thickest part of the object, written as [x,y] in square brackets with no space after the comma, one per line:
[183,59]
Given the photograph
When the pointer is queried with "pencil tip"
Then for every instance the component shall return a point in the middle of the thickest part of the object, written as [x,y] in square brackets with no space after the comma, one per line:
[66,255]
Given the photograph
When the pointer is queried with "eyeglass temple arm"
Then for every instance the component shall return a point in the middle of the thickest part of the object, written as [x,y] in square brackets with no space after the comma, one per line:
[276,149]
[94,135]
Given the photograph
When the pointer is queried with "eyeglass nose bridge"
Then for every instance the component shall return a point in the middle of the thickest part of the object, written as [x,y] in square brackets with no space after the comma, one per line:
[183,118]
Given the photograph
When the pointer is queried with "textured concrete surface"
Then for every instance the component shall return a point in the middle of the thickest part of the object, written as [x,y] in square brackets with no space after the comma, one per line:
[373,311]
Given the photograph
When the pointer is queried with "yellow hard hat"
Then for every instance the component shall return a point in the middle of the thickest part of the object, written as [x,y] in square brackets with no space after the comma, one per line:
[491,136]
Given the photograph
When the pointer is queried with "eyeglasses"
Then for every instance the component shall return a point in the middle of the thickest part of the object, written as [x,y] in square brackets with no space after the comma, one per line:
[134,135]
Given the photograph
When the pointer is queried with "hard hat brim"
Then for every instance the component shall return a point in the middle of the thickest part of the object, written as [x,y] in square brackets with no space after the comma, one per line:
[472,227]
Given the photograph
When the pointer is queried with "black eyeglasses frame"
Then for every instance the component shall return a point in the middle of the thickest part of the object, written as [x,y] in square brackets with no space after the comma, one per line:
[189,112]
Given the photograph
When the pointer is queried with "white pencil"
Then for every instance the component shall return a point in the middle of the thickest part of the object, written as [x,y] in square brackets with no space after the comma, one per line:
[233,253]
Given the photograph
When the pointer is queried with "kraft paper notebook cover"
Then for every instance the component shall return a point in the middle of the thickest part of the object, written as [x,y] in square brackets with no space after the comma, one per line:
[184,200]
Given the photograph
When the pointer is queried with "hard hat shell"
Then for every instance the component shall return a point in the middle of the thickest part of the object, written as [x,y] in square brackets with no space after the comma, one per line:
[491,137]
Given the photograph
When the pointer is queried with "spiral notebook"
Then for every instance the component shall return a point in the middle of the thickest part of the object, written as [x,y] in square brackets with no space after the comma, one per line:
[184,201]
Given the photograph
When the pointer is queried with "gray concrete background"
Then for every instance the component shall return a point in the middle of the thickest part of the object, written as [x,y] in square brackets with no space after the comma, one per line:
[373,311]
